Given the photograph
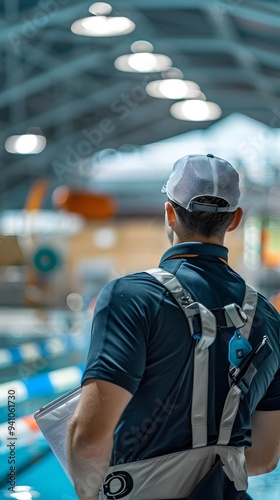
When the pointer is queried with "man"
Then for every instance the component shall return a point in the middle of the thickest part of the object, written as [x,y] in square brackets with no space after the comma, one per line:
[140,389]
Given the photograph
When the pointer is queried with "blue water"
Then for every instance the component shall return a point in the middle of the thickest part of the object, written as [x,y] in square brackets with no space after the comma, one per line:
[48,478]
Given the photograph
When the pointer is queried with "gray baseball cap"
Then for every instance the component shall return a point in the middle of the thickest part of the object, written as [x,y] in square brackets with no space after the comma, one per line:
[203,175]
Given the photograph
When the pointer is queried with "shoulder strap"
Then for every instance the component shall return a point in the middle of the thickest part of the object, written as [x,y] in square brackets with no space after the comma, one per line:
[233,316]
[189,306]
[201,352]
[249,307]
[235,393]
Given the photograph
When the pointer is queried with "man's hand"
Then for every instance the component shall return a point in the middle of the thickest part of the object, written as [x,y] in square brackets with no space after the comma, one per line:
[90,434]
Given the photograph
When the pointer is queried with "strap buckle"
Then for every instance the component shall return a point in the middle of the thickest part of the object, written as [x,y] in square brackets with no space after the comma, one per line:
[235,316]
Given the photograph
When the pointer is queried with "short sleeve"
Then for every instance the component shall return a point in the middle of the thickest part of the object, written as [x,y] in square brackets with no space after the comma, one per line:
[117,351]
[271,399]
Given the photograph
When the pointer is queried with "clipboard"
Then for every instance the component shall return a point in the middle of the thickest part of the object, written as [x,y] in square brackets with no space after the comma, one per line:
[52,420]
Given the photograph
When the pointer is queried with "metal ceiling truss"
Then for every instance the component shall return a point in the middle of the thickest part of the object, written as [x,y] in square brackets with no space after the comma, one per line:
[65,84]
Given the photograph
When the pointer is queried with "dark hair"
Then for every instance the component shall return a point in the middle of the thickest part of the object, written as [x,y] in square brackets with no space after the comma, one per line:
[205,223]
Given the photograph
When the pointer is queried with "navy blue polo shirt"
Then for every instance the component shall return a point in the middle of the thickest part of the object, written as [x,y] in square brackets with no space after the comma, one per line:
[141,342]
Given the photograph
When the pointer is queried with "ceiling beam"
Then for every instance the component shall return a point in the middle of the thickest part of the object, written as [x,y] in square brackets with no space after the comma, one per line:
[219,45]
[70,111]
[224,26]
[243,99]
[58,74]
[162,5]
[218,76]
[264,14]
[40,57]
[29,25]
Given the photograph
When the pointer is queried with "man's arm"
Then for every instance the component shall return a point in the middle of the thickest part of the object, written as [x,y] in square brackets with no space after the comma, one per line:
[90,434]
[264,454]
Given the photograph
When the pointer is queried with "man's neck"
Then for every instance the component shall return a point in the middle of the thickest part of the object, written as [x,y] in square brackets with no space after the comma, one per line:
[198,238]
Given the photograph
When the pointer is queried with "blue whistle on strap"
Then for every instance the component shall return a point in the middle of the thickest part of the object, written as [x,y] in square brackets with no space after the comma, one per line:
[239,347]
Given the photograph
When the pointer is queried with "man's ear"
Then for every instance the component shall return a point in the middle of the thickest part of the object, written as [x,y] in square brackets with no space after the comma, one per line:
[170,214]
[236,221]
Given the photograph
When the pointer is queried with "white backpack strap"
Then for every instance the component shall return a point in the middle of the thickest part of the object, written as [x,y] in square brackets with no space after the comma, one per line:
[229,414]
[170,282]
[234,395]
[249,307]
[201,353]
[189,307]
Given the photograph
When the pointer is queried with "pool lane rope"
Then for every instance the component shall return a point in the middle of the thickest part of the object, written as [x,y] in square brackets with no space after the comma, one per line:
[44,384]
[32,351]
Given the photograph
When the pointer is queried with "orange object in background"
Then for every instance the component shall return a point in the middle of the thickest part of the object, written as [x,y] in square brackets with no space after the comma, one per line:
[36,194]
[270,242]
[275,300]
[89,205]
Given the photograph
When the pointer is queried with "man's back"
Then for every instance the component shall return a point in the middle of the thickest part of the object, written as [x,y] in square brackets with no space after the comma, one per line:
[142,342]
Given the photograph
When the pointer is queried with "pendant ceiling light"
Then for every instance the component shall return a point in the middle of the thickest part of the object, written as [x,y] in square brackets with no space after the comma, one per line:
[142,59]
[195,110]
[25,144]
[100,24]
[173,86]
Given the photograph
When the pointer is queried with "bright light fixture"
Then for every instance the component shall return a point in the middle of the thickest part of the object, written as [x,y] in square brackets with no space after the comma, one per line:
[25,144]
[100,25]
[174,88]
[196,110]
[142,60]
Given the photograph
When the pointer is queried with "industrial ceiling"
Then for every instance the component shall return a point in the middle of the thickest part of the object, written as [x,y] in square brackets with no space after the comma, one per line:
[66,85]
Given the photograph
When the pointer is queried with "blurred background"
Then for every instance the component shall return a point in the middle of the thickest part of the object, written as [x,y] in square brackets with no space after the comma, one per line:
[97,101]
